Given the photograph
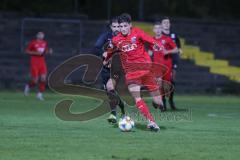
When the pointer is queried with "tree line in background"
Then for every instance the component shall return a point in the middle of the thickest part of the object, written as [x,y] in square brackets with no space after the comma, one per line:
[139,9]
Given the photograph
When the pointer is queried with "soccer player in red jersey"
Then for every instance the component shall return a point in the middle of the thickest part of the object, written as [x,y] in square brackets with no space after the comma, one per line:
[164,58]
[137,65]
[37,49]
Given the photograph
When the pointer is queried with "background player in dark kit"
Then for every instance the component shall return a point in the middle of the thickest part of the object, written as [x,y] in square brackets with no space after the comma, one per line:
[109,83]
[166,26]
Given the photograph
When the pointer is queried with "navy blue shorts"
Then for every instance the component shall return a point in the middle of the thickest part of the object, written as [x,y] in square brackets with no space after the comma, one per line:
[175,61]
[105,74]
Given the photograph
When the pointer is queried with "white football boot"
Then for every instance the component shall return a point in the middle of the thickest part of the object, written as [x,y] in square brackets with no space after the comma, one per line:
[153,126]
[40,96]
[26,90]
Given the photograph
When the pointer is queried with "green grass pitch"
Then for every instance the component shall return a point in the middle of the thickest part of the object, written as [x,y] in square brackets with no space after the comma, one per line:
[29,129]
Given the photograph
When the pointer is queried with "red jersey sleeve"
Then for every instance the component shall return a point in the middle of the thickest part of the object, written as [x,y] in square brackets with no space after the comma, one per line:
[171,44]
[145,37]
[30,46]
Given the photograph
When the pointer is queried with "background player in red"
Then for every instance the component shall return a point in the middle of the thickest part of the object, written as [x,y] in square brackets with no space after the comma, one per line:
[37,49]
[166,26]
[137,65]
[164,58]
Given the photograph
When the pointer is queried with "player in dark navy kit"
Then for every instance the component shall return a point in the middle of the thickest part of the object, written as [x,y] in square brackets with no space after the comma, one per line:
[109,82]
[166,25]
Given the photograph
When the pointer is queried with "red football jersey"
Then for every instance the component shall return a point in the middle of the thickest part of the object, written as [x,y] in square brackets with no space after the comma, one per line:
[37,46]
[165,61]
[168,44]
[133,54]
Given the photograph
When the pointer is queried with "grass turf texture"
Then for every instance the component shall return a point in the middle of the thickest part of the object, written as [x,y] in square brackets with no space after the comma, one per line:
[30,130]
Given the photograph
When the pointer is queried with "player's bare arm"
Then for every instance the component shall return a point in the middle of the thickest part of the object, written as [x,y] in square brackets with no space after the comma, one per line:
[172,51]
[36,53]
[49,51]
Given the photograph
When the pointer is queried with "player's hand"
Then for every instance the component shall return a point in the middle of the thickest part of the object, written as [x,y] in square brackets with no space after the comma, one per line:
[180,51]
[50,51]
[104,54]
[39,53]
[157,47]
[110,46]
[165,52]
[105,62]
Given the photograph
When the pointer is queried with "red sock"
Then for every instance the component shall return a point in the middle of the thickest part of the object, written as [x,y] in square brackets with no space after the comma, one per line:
[42,86]
[143,108]
[31,84]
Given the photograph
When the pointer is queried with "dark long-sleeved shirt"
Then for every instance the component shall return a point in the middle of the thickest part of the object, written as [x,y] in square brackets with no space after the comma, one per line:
[175,38]
[104,38]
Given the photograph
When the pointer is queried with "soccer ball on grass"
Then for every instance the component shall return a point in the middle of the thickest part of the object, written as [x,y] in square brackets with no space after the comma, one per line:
[126,124]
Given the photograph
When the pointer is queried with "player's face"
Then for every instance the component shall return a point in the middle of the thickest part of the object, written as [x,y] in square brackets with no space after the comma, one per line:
[115,27]
[125,28]
[166,24]
[157,29]
[40,35]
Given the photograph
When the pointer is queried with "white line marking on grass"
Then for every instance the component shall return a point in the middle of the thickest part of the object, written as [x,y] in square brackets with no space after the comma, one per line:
[212,115]
[228,115]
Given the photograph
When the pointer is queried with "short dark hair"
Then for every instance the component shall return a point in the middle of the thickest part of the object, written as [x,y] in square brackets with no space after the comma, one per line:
[125,17]
[114,20]
[164,18]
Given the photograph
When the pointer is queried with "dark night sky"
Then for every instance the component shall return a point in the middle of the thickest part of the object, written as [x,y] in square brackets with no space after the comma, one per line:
[139,9]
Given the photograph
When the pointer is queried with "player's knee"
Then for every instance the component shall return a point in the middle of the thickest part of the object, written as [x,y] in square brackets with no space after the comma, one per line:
[110,85]
[134,88]
[135,92]
[157,100]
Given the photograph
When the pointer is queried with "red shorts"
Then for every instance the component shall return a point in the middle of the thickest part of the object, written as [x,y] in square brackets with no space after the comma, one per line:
[168,75]
[163,71]
[142,78]
[38,69]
